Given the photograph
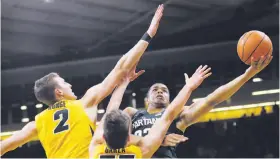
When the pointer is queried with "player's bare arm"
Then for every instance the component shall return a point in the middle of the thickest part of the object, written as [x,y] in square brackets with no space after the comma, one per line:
[150,143]
[191,114]
[130,111]
[114,103]
[117,96]
[19,138]
[97,93]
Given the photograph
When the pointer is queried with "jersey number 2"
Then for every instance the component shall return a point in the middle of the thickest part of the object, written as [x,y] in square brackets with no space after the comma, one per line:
[63,116]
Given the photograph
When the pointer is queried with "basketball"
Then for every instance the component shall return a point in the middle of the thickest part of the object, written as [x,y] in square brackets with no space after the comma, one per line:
[253,44]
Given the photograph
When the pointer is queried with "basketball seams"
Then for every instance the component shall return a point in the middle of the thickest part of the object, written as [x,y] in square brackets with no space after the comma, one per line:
[267,53]
[244,45]
[255,48]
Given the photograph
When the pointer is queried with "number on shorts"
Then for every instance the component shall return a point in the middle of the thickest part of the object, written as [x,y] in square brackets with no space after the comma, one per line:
[117,156]
[144,133]
[63,116]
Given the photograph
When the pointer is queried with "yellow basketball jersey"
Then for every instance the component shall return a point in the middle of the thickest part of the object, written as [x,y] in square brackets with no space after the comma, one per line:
[102,151]
[65,130]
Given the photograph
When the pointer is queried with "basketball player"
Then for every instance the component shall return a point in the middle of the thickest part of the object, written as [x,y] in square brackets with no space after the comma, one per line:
[158,99]
[113,140]
[64,129]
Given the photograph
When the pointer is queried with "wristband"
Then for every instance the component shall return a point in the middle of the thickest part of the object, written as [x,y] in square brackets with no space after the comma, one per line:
[146,37]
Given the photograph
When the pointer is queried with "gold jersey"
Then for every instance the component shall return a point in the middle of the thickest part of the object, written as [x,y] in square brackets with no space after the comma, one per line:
[65,130]
[102,151]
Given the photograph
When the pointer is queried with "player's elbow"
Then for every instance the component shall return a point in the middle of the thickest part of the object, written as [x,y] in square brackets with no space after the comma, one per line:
[210,102]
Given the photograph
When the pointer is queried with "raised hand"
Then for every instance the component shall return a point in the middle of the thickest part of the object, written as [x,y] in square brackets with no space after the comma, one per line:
[155,21]
[132,75]
[258,65]
[197,78]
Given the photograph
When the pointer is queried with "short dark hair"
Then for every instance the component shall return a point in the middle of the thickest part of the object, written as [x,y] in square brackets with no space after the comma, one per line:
[44,89]
[148,93]
[116,129]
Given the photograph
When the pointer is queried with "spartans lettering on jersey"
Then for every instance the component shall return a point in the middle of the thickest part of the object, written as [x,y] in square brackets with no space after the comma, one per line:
[107,150]
[143,122]
[60,104]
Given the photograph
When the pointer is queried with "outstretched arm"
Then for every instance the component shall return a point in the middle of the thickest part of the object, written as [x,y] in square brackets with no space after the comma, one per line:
[151,142]
[19,138]
[191,114]
[114,103]
[97,93]
[117,96]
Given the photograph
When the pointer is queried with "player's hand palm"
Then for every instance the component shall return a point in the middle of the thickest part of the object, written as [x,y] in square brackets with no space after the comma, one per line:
[135,75]
[132,74]
[173,139]
[258,65]
[155,21]
[197,78]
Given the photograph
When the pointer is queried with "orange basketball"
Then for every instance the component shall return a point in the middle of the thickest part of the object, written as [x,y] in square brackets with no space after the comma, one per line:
[253,44]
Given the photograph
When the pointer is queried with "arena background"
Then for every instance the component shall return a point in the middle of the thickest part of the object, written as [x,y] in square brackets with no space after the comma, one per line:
[83,39]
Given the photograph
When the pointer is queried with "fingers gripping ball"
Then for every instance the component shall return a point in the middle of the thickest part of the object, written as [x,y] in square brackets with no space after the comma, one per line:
[253,44]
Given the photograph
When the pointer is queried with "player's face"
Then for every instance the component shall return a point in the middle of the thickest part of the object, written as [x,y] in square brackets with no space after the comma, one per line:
[65,89]
[158,95]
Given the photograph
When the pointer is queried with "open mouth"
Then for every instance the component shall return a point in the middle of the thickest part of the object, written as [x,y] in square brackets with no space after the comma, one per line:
[159,96]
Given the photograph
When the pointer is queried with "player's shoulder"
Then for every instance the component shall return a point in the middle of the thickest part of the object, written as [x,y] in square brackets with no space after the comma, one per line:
[139,113]
[142,110]
[31,125]
[41,114]
[40,118]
